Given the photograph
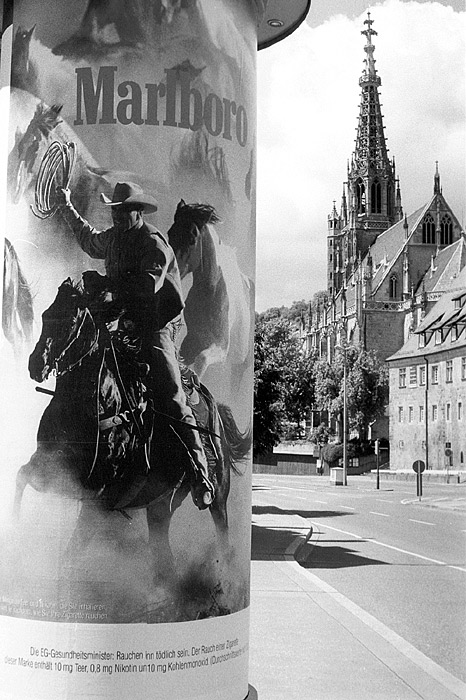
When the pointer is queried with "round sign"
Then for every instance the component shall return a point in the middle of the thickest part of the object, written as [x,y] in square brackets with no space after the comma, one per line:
[419,466]
[448,452]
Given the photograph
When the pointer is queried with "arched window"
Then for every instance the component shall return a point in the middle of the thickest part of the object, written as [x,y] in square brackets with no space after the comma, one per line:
[446,230]
[360,196]
[393,287]
[389,200]
[428,229]
[376,197]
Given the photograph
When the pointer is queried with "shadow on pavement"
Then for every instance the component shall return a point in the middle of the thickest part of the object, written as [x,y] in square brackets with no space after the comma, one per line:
[336,557]
[274,510]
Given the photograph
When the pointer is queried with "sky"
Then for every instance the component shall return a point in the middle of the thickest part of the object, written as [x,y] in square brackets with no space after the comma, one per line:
[308,106]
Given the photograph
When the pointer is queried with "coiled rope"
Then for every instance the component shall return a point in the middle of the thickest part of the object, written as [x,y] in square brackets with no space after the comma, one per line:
[55,171]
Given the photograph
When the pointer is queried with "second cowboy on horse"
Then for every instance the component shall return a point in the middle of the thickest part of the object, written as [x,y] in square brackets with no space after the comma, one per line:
[143,268]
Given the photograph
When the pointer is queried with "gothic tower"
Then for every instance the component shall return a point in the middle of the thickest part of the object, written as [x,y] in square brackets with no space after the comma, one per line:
[372,200]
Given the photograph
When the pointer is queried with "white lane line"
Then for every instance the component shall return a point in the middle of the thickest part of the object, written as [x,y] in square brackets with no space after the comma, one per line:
[422,522]
[455,686]
[390,546]
[321,501]
[384,515]
[383,500]
[347,507]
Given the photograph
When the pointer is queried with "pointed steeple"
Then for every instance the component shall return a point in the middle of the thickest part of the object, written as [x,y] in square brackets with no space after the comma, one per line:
[437,188]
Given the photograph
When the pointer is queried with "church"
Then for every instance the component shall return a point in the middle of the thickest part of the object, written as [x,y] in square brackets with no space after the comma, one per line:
[385,268]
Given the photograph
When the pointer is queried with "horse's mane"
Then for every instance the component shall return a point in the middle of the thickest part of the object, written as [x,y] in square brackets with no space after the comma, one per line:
[45,119]
[188,221]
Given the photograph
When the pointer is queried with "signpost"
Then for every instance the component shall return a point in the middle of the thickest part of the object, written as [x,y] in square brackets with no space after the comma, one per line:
[419,466]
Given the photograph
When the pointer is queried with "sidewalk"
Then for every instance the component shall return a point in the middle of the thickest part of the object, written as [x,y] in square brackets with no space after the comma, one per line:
[308,642]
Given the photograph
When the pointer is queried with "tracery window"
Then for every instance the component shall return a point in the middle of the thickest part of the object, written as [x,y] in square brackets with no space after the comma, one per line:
[360,196]
[393,287]
[428,229]
[446,230]
[376,197]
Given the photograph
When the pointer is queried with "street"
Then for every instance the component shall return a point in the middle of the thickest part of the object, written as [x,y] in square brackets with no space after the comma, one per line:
[400,560]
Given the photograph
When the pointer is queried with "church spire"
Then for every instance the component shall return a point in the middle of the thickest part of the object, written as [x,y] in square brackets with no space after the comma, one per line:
[437,188]
[371,180]
[370,73]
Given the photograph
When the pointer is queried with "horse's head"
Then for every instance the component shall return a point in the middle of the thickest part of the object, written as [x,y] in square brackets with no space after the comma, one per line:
[27,146]
[21,64]
[186,234]
[62,323]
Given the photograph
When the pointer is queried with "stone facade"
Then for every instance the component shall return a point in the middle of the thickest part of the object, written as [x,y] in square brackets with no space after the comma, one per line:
[428,388]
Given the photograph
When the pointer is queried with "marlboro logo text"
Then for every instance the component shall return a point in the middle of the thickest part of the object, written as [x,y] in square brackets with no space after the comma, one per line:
[171,103]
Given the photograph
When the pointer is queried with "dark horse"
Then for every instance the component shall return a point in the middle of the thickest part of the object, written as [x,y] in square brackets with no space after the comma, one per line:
[99,441]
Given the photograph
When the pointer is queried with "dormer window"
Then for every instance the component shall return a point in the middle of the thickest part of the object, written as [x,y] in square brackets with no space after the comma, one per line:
[422,340]
[428,229]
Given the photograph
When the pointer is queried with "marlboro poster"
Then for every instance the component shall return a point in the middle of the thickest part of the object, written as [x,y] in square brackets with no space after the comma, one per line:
[126,365]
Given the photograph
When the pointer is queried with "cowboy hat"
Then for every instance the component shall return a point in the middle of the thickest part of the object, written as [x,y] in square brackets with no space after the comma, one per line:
[130,193]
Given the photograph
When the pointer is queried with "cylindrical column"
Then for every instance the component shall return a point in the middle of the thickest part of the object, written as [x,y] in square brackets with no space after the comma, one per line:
[128,209]
[116,581]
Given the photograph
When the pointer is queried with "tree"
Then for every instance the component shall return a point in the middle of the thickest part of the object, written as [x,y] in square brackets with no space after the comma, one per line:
[366,387]
[283,379]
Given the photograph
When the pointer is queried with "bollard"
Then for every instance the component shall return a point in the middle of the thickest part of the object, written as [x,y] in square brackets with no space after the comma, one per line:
[128,208]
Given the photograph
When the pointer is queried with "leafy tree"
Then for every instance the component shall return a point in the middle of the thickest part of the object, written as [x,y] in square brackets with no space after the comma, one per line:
[283,379]
[366,387]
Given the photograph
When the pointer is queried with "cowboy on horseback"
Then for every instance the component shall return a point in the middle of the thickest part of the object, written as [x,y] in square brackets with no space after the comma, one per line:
[144,272]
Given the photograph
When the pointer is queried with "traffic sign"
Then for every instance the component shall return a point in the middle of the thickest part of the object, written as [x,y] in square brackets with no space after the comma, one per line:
[419,466]
[448,452]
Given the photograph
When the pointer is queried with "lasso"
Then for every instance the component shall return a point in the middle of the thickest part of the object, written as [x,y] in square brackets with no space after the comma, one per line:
[55,171]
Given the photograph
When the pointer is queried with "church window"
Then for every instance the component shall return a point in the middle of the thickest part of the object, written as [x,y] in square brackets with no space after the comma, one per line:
[446,230]
[393,287]
[376,197]
[360,196]
[428,229]
[389,200]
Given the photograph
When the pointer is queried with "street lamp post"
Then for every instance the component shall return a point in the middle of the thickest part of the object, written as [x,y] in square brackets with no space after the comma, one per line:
[345,420]
[343,348]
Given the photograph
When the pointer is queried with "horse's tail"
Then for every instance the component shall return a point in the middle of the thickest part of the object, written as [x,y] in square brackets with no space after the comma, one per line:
[239,444]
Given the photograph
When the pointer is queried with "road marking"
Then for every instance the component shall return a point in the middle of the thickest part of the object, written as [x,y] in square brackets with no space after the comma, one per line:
[383,500]
[384,515]
[391,546]
[322,502]
[305,578]
[422,522]
[347,507]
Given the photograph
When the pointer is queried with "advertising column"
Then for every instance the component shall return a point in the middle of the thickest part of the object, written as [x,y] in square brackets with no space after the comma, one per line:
[126,350]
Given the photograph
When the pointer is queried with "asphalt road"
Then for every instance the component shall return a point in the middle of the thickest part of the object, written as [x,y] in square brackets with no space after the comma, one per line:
[395,557]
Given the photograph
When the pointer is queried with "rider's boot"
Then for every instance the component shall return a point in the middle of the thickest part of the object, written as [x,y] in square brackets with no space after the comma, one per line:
[202,490]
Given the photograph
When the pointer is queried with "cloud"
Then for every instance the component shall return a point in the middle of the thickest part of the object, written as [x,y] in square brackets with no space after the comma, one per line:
[308,105]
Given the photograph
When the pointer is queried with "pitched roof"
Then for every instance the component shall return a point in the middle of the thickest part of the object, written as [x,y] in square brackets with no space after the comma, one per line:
[447,266]
[388,246]
[443,315]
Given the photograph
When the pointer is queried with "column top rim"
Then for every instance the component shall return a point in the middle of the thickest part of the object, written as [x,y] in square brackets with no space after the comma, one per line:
[280,19]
